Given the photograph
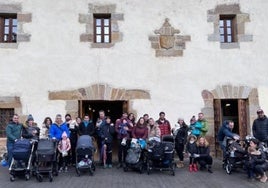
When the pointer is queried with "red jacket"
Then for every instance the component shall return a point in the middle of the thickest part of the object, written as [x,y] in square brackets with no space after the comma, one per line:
[164,126]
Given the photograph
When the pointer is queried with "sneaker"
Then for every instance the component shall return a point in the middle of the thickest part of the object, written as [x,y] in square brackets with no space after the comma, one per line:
[110,166]
[190,168]
[61,169]
[195,168]
[263,179]
[105,166]
[66,169]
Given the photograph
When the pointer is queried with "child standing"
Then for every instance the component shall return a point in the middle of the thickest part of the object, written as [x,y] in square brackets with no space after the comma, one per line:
[64,147]
[191,149]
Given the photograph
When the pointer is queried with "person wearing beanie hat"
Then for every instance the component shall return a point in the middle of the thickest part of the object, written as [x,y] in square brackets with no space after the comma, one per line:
[30,129]
[64,147]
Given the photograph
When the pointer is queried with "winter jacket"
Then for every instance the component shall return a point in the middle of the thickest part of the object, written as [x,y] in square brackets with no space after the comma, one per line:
[13,131]
[86,128]
[260,129]
[118,127]
[55,130]
[224,131]
[106,133]
[140,132]
[154,131]
[27,131]
[191,148]
[203,151]
[164,126]
[204,128]
[181,137]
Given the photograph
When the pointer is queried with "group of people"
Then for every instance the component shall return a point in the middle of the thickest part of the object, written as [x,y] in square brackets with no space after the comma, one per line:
[67,131]
[257,162]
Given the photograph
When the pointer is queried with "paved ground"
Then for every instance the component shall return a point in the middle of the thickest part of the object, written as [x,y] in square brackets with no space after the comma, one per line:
[116,178]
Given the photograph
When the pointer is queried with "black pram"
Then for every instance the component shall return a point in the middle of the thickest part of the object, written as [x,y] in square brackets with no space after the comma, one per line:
[84,155]
[46,161]
[21,164]
[160,155]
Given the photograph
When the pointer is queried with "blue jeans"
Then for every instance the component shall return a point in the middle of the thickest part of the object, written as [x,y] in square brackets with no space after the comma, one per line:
[10,146]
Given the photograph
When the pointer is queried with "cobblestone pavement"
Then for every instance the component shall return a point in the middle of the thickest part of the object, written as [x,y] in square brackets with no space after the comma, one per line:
[117,178]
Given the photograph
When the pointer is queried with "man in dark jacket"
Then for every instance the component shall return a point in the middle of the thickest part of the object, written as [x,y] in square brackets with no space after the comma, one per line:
[226,131]
[13,131]
[260,127]
[86,127]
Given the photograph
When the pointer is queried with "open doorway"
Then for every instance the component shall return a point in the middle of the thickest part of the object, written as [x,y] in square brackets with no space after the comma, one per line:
[114,109]
[230,109]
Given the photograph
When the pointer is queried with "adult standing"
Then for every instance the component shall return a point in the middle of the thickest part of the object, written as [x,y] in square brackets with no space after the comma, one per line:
[57,128]
[180,135]
[101,121]
[204,123]
[164,124]
[13,132]
[224,132]
[30,129]
[86,127]
[153,130]
[260,127]
[45,128]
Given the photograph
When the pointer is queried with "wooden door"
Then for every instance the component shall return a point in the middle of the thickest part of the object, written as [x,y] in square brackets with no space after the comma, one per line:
[6,115]
[217,124]
[242,118]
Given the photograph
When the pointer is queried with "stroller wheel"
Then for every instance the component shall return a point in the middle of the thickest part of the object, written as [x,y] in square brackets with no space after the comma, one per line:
[12,178]
[39,178]
[228,168]
[27,177]
[173,169]
[50,177]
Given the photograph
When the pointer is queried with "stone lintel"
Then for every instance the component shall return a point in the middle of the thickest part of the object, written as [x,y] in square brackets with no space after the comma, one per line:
[24,17]
[10,8]
[227,9]
[102,45]
[23,37]
[168,53]
[86,37]
[232,45]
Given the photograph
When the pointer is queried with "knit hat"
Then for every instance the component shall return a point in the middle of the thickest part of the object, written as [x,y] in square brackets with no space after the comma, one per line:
[30,118]
[64,134]
[192,136]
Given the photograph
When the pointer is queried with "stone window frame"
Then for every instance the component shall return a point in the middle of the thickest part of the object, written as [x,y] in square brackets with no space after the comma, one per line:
[213,16]
[88,20]
[22,18]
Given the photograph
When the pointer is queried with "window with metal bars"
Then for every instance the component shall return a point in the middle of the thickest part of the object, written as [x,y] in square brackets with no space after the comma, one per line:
[227,27]
[8,28]
[102,28]
[5,117]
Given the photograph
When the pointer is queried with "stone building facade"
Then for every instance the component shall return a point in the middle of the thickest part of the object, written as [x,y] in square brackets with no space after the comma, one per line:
[161,56]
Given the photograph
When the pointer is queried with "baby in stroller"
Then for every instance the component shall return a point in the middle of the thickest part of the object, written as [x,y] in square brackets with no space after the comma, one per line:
[84,155]
[236,155]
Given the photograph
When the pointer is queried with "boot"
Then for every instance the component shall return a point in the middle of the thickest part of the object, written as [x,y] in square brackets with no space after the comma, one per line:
[191,168]
[195,168]
[209,169]
[263,178]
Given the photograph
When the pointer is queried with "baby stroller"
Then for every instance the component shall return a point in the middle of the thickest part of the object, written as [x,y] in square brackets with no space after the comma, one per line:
[161,155]
[46,161]
[135,157]
[236,155]
[84,155]
[21,164]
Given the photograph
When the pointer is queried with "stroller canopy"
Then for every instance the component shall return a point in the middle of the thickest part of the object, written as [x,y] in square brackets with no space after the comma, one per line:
[84,141]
